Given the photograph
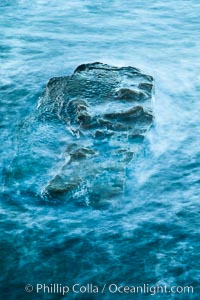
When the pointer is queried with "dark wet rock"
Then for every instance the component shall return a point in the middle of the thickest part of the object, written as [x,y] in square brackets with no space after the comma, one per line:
[131,95]
[148,87]
[59,186]
[130,114]
[77,153]
[107,110]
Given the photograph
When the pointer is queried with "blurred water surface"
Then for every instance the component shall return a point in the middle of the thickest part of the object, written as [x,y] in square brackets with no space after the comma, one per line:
[152,234]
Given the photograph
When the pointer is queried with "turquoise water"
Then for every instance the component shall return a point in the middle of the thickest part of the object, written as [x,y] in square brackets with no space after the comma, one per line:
[151,235]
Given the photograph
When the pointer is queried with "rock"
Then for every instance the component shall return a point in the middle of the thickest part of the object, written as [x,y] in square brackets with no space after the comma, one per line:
[131,114]
[131,95]
[107,111]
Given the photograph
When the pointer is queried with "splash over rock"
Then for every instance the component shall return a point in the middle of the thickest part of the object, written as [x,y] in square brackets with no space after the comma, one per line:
[107,110]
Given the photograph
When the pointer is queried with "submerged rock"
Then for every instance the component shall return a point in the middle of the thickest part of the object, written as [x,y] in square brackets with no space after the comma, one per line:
[107,111]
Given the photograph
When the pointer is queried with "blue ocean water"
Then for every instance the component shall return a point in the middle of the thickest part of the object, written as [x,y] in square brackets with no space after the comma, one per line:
[152,234]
